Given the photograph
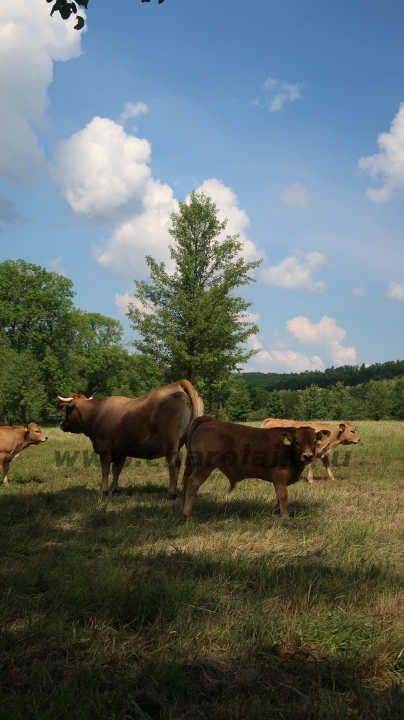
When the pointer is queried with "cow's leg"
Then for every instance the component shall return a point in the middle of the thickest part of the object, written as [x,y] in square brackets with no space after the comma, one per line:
[105,459]
[117,466]
[282,496]
[174,465]
[311,471]
[4,464]
[326,462]
[193,479]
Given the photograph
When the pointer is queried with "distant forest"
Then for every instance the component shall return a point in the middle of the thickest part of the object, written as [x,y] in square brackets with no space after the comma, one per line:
[349,375]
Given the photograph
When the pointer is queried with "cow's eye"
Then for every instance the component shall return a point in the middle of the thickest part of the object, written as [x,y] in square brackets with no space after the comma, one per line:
[297,443]
[352,432]
[37,432]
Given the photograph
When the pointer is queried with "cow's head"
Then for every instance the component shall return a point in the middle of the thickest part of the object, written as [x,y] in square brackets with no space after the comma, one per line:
[303,442]
[33,434]
[72,421]
[347,434]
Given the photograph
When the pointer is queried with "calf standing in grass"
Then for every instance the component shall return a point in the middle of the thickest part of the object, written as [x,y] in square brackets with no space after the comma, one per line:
[14,440]
[278,455]
[342,433]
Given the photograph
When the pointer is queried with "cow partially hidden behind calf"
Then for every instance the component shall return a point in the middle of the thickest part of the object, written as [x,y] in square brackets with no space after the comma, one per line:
[278,455]
[13,440]
[342,433]
[152,426]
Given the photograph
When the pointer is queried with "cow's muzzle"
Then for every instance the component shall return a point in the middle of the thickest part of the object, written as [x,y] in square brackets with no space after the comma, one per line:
[307,457]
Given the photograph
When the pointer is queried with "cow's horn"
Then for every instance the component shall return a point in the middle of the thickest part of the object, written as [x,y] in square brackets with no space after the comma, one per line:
[62,399]
[91,396]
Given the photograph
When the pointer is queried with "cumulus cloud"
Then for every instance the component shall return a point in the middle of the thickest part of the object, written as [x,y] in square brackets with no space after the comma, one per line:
[284,361]
[143,234]
[122,302]
[30,41]
[277,93]
[396,291]
[237,219]
[101,169]
[133,110]
[327,333]
[294,195]
[388,163]
[295,273]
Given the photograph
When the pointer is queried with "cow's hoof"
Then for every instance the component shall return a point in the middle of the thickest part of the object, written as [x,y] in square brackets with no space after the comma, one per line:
[171,496]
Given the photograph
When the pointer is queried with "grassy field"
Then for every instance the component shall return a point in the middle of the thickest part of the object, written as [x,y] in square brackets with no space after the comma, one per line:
[116,609]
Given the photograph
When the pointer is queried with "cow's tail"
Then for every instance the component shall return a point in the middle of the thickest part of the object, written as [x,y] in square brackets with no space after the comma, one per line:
[194,426]
[196,400]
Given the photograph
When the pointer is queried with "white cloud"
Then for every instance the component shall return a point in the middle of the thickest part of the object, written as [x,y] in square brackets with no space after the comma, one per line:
[122,302]
[295,194]
[104,175]
[327,333]
[389,162]
[56,267]
[133,110]
[30,41]
[143,234]
[101,169]
[285,361]
[295,273]
[278,93]
[237,219]
[396,291]
[358,291]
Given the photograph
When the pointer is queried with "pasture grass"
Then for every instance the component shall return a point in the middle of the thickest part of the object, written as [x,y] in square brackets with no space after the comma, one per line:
[116,609]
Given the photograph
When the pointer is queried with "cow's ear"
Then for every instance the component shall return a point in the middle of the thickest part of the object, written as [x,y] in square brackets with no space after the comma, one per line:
[323,435]
[26,428]
[342,427]
[286,438]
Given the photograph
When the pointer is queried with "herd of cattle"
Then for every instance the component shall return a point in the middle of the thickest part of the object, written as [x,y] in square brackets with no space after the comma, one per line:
[160,423]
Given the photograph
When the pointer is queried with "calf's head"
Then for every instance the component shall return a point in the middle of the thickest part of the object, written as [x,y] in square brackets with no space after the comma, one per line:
[33,434]
[347,434]
[303,442]
[72,421]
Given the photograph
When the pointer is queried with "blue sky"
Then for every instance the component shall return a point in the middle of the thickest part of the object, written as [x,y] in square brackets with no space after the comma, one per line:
[287,113]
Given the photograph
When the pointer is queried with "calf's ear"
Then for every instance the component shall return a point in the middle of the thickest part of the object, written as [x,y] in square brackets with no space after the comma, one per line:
[26,428]
[342,427]
[286,438]
[323,435]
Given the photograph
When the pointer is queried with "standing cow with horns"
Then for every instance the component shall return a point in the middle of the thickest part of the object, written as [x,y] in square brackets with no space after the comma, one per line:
[152,426]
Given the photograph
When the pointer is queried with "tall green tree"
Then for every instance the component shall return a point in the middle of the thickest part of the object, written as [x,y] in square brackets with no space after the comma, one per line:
[22,390]
[190,321]
[378,400]
[311,404]
[275,406]
[339,402]
[238,403]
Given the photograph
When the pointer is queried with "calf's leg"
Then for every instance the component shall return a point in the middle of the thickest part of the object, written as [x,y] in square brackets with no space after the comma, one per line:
[193,479]
[311,471]
[326,462]
[4,465]
[282,495]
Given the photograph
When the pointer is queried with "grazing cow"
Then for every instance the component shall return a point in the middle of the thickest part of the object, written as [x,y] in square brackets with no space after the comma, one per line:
[342,433]
[278,455]
[152,426]
[13,440]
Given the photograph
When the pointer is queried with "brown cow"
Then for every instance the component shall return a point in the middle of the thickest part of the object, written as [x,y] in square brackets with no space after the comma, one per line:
[152,426]
[13,440]
[278,455]
[342,433]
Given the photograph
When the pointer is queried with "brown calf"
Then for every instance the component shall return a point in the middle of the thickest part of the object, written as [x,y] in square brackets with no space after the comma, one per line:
[14,440]
[277,455]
